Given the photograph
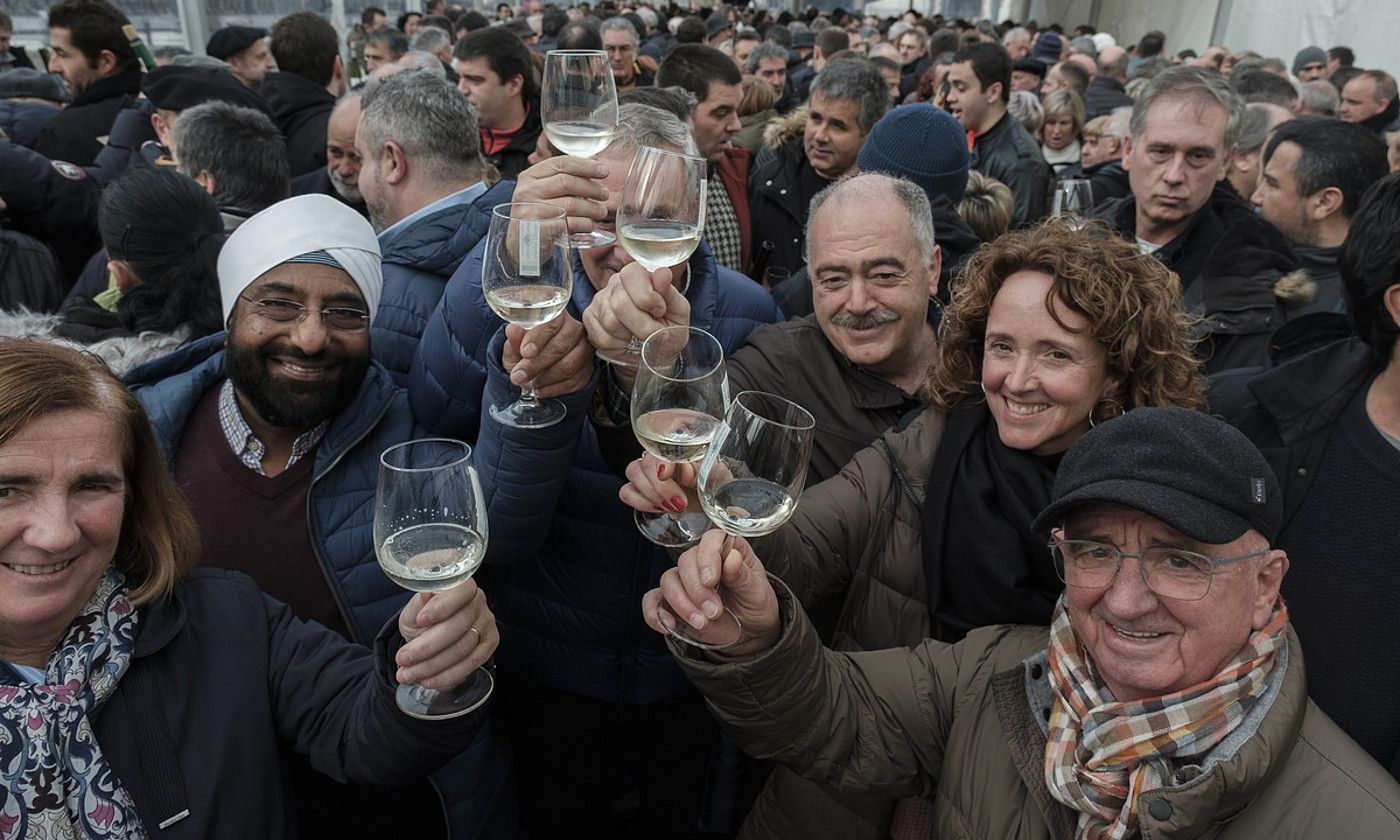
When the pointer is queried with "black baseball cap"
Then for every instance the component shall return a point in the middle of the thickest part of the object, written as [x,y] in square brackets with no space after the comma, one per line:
[1196,473]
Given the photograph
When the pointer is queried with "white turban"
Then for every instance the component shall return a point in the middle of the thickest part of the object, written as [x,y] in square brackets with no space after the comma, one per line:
[289,229]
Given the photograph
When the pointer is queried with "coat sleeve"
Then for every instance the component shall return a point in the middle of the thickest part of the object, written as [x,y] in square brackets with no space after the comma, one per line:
[333,701]
[864,722]
[1030,180]
[816,551]
[523,471]
[448,371]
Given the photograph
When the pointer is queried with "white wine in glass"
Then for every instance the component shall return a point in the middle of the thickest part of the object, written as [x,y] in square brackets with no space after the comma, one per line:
[526,276]
[578,107]
[756,466]
[430,535]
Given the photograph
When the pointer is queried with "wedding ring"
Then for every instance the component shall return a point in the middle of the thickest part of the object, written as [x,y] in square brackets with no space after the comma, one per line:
[477,632]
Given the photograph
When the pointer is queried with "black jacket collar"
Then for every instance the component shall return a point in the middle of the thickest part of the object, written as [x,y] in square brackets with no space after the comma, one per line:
[122,84]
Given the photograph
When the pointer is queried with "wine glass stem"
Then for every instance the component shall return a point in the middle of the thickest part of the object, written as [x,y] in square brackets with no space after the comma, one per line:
[527,393]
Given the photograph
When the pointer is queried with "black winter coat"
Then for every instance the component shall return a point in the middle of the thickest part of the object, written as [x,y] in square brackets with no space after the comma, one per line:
[22,121]
[54,202]
[777,212]
[1009,154]
[1102,96]
[222,678]
[301,108]
[515,157]
[73,135]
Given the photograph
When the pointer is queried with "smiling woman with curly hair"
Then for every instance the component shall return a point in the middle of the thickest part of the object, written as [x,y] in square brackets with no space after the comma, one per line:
[927,533]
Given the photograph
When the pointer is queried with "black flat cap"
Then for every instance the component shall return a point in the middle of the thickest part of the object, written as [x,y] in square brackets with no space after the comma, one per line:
[1030,65]
[805,38]
[175,88]
[715,24]
[31,83]
[232,40]
[1192,471]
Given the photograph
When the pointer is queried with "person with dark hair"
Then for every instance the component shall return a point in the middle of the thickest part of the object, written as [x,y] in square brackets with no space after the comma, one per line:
[829,41]
[1328,423]
[90,52]
[579,35]
[12,57]
[979,88]
[468,22]
[1262,86]
[1315,170]
[1339,58]
[711,77]
[384,45]
[495,72]
[371,18]
[1066,75]
[28,99]
[233,153]
[552,22]
[303,90]
[244,50]
[691,31]
[408,23]
[162,236]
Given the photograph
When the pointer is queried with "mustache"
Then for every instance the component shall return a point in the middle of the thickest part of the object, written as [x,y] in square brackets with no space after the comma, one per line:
[287,350]
[878,318]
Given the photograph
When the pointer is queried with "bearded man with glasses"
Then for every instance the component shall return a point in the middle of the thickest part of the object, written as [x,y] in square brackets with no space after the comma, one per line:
[273,431]
[1167,699]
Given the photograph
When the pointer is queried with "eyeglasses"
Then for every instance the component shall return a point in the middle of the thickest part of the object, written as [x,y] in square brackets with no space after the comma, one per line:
[1170,572]
[282,311]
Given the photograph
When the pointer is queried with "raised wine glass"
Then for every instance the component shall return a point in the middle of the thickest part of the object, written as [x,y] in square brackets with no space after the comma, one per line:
[661,216]
[756,465]
[430,535]
[526,276]
[680,393]
[1073,198]
[578,107]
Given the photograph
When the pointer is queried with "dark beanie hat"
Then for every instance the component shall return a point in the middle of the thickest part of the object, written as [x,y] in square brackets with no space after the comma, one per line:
[1196,473]
[1047,47]
[1306,56]
[175,88]
[919,143]
[232,40]
[30,83]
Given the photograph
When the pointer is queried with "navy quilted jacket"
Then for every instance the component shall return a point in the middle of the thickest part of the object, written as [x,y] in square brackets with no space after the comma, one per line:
[417,266]
[568,567]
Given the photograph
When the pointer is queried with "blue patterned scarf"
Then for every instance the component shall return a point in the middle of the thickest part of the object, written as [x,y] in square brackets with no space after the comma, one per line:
[57,783]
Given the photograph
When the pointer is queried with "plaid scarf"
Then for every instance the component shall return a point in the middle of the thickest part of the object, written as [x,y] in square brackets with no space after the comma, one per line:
[722,232]
[54,780]
[1102,753]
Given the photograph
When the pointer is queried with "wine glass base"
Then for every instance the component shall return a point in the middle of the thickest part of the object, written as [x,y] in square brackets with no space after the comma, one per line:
[529,415]
[622,358]
[592,239]
[721,632]
[429,704]
[673,530]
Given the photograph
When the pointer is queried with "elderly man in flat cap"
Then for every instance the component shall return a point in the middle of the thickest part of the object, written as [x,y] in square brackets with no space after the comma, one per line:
[244,50]
[1166,700]
[274,429]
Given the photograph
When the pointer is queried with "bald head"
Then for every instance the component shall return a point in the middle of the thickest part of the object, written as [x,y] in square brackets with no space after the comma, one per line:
[1113,63]
[1089,65]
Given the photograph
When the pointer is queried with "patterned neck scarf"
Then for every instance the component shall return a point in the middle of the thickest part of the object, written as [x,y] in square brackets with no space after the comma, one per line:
[1102,753]
[56,782]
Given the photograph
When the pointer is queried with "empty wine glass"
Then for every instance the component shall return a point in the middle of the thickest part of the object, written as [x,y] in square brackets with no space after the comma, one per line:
[680,393]
[756,465]
[526,276]
[661,216]
[578,107]
[430,535]
[1073,197]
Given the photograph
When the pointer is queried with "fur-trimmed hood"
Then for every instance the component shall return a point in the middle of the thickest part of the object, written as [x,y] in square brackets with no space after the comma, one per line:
[121,351]
[784,129]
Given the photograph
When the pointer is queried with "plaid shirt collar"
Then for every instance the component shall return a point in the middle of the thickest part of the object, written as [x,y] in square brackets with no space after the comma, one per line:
[245,445]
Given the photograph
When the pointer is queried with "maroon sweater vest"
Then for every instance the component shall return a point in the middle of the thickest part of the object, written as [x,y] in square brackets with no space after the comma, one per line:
[252,523]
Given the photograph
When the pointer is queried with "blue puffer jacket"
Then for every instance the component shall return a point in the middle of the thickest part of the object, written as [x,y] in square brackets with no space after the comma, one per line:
[568,565]
[417,265]
[21,121]
[340,514]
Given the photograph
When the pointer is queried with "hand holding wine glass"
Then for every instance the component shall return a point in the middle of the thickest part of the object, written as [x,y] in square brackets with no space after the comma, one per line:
[634,304]
[526,277]
[430,536]
[680,393]
[717,596]
[578,107]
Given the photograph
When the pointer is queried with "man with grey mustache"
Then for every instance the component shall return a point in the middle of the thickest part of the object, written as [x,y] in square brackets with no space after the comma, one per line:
[858,362]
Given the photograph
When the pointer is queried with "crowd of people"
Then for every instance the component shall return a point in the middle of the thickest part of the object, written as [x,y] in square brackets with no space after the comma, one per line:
[1093,538]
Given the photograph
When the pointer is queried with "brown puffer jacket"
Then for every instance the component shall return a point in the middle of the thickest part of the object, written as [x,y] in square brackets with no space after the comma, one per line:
[965,721]
[857,533]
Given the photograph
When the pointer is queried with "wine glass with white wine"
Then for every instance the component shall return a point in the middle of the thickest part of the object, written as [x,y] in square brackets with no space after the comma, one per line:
[661,216]
[578,107]
[526,276]
[680,393]
[756,465]
[430,535]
